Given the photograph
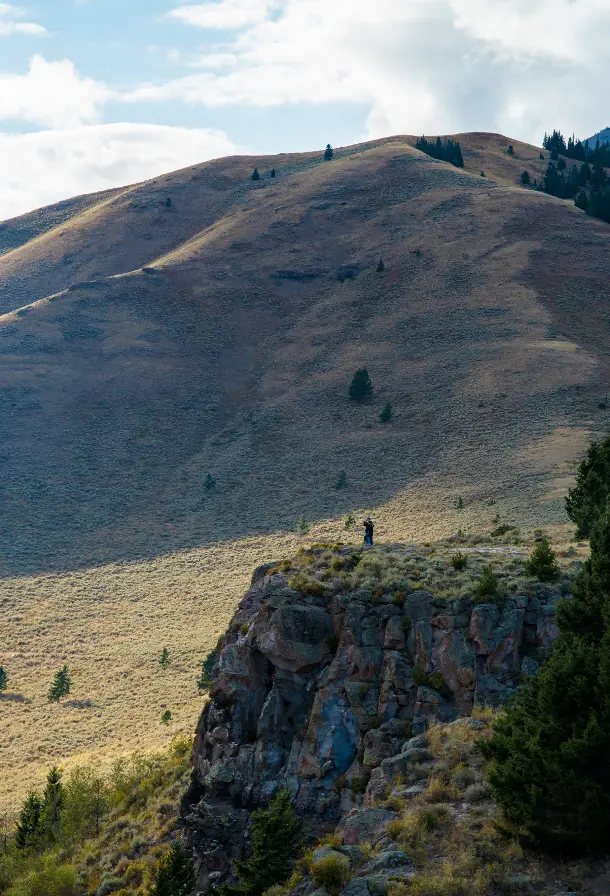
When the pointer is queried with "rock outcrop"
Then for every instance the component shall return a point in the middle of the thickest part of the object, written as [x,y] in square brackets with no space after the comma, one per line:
[329,694]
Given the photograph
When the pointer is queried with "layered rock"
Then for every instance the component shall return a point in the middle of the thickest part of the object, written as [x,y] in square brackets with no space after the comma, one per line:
[322,693]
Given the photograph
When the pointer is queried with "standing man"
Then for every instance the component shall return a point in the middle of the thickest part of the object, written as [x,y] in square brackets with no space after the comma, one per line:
[368,530]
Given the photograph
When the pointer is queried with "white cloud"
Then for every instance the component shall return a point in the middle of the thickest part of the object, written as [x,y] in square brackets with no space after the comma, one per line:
[422,65]
[51,94]
[42,168]
[224,14]
[10,24]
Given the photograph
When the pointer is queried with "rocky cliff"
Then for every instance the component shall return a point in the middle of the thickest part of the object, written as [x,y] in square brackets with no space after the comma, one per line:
[332,670]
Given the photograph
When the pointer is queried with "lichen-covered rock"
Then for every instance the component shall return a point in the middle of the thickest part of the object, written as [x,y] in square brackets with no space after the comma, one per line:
[316,692]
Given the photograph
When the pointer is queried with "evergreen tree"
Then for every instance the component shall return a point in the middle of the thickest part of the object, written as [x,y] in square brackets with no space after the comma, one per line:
[209,482]
[543,563]
[553,182]
[380,266]
[164,660]
[255,175]
[276,841]
[561,165]
[3,679]
[361,386]
[387,413]
[176,873]
[582,201]
[60,687]
[28,829]
[588,499]
[328,153]
[272,172]
[554,155]
[52,804]
[511,150]
[342,480]
[205,680]
[525,178]
[548,766]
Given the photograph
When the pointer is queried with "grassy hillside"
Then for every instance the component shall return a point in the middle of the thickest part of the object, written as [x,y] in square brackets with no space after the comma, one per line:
[145,344]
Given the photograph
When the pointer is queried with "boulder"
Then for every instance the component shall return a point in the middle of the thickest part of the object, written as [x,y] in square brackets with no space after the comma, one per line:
[362,825]
[295,638]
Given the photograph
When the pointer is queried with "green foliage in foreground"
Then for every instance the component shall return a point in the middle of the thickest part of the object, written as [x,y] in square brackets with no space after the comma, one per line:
[63,834]
[548,755]
[176,873]
[276,842]
[588,499]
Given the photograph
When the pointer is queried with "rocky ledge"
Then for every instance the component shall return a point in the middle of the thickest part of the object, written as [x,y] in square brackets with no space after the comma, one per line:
[323,685]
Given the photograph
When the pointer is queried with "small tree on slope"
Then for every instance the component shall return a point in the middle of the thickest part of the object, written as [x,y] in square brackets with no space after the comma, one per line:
[176,873]
[360,386]
[548,766]
[3,679]
[276,842]
[543,563]
[60,687]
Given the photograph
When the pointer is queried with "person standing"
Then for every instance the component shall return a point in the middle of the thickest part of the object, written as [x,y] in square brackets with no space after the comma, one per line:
[369,527]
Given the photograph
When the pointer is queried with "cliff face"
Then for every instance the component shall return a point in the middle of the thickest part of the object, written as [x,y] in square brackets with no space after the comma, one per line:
[319,689]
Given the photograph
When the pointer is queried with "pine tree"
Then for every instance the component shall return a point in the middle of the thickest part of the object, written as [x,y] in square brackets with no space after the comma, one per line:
[276,841]
[209,482]
[255,175]
[342,480]
[303,526]
[60,687]
[525,178]
[582,201]
[387,413]
[272,174]
[328,153]
[205,680]
[28,829]
[380,266]
[3,679]
[588,499]
[361,386]
[511,150]
[176,873]
[164,660]
[52,804]
[543,563]
[561,165]
[548,766]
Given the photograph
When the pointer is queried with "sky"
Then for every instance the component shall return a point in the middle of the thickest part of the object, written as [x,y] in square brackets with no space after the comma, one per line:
[100,93]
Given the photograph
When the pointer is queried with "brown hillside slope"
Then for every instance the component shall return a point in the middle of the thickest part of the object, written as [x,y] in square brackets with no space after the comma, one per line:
[487,330]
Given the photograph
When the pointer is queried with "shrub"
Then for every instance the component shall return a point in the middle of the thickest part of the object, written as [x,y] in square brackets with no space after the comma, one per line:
[543,563]
[588,499]
[350,521]
[111,885]
[276,841]
[487,586]
[525,178]
[406,624]
[476,793]
[342,480]
[255,175]
[303,526]
[332,872]
[548,767]
[166,717]
[459,561]
[361,386]
[460,503]
[380,266]
[419,676]
[272,173]
[307,585]
[438,683]
[205,680]
[387,413]
[510,150]
[328,153]
[499,531]
[209,482]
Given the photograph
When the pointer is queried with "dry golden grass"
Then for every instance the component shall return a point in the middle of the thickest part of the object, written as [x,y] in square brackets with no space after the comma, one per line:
[487,331]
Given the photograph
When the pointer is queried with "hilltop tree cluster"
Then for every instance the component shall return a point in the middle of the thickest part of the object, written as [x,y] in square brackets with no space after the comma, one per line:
[445,150]
[586,183]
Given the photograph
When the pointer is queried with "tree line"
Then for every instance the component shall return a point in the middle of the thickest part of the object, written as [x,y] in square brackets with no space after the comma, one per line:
[446,150]
[587,184]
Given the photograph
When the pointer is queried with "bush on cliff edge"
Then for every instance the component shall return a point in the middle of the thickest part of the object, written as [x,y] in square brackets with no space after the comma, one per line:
[548,766]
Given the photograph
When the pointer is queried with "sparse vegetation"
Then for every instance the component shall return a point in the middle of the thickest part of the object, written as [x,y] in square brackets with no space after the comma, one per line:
[303,526]
[459,561]
[164,659]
